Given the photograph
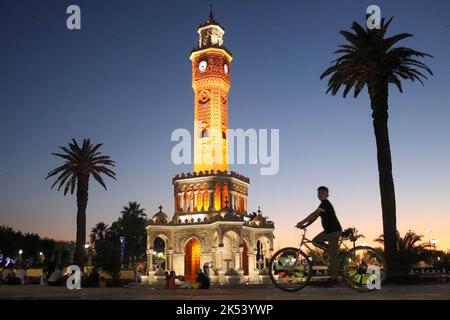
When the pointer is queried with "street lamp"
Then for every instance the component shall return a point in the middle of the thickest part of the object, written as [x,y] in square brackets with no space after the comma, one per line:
[88,252]
[122,249]
[433,242]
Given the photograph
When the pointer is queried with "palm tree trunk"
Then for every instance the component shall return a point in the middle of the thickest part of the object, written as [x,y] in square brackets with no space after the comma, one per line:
[379,101]
[82,199]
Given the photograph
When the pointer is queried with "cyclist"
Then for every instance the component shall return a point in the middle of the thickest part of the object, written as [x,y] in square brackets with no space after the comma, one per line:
[332,232]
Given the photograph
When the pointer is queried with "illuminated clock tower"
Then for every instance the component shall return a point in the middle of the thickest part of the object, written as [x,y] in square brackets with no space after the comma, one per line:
[211,83]
[210,222]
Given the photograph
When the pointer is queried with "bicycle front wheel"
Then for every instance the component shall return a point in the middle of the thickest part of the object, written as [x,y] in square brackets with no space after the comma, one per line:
[363,269]
[290,269]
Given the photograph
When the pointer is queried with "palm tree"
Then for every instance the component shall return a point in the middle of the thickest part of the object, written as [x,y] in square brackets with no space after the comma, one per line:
[81,163]
[132,225]
[99,232]
[369,59]
[354,235]
[409,250]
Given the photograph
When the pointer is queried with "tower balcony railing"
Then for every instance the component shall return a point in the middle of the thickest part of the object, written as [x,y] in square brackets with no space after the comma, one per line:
[208,173]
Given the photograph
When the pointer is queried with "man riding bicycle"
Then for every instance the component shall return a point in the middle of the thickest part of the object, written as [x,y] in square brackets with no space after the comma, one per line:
[332,232]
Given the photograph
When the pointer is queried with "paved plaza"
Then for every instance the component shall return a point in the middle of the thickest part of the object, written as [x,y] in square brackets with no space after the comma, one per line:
[139,292]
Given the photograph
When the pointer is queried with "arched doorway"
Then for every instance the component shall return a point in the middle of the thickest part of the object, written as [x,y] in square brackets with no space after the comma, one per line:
[230,246]
[259,255]
[262,253]
[192,259]
[160,252]
[245,259]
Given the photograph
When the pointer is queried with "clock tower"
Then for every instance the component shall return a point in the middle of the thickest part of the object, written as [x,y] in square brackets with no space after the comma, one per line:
[210,222]
[211,83]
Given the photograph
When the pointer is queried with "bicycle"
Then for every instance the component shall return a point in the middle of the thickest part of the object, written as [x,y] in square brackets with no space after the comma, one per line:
[291,269]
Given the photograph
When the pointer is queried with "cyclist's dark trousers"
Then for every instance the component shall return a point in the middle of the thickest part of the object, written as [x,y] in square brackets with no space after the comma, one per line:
[333,250]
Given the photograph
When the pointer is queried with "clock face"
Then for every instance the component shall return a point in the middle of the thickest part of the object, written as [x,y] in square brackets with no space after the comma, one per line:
[202,65]
[225,68]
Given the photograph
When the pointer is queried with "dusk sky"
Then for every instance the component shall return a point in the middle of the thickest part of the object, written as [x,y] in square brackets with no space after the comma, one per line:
[124,80]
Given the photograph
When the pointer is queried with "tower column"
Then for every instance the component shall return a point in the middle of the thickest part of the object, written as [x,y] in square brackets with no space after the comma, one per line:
[214,256]
[220,257]
[150,260]
[170,259]
[180,201]
[240,250]
[211,200]
[195,201]
[237,259]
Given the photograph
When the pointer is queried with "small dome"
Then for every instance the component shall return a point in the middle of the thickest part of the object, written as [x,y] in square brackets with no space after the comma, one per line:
[259,219]
[227,212]
[160,216]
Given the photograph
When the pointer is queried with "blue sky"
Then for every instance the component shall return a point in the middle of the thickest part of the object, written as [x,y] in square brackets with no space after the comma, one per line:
[125,80]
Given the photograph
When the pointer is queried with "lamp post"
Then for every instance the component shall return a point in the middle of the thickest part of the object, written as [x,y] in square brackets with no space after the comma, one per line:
[88,251]
[122,249]
[20,255]
[433,242]
[429,237]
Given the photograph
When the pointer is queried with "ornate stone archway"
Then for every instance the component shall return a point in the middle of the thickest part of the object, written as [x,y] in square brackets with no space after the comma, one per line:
[192,252]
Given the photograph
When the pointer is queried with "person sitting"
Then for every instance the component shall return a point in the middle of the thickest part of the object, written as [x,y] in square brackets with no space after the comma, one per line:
[172,283]
[167,275]
[8,274]
[56,278]
[44,277]
[202,280]
[93,279]
[21,275]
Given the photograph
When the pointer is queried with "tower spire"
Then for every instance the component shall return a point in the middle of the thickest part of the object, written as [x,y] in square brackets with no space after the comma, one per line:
[211,14]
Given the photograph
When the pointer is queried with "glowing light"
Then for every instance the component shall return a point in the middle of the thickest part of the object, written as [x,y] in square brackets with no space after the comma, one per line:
[189,217]
[20,251]
[217,204]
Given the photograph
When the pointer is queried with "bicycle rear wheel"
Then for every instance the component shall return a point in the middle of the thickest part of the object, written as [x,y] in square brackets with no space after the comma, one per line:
[362,268]
[290,269]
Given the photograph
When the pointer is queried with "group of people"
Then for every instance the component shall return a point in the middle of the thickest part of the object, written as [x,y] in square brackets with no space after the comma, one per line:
[201,282]
[10,275]
[52,276]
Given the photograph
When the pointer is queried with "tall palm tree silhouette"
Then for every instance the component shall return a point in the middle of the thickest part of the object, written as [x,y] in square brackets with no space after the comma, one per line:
[81,162]
[369,59]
